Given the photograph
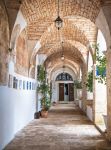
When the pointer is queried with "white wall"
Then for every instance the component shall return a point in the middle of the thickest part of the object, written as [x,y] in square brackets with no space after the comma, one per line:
[17,108]
[101,98]
[100,89]
[102,42]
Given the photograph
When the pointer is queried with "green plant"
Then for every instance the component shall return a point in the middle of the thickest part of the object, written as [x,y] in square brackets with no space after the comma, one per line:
[89,83]
[100,65]
[41,74]
[43,88]
[78,84]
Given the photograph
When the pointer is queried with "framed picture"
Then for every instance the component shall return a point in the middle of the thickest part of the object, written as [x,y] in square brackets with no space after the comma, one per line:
[30,86]
[27,85]
[20,84]
[10,81]
[15,83]
[23,85]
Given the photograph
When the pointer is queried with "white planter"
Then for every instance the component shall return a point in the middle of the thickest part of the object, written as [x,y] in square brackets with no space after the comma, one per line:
[80,104]
[79,93]
[89,95]
[89,113]
[105,120]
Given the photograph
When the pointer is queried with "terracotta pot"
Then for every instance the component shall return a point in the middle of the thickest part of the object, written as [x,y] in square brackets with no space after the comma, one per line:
[44,114]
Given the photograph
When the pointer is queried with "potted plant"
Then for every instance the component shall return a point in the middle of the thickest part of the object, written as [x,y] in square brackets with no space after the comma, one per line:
[44,89]
[89,85]
[45,102]
[100,65]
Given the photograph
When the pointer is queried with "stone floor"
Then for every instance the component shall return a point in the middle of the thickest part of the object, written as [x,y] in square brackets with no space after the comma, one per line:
[66,128]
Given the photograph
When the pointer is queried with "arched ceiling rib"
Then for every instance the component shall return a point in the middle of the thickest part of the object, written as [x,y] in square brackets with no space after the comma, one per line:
[58,66]
[73,49]
[68,49]
[50,64]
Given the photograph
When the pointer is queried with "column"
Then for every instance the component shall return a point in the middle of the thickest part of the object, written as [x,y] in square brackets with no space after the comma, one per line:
[108,76]
[94,94]
[84,89]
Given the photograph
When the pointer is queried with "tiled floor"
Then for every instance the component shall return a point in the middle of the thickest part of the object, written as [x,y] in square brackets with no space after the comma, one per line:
[66,128]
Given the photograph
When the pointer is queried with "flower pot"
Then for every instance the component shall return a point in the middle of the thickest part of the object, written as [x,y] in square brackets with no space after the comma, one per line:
[44,113]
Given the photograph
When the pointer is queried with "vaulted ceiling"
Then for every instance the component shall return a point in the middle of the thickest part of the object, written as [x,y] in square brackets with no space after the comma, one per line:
[78,32]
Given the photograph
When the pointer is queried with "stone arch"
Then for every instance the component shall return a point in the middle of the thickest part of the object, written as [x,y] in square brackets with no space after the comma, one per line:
[14,36]
[70,63]
[58,70]
[4,44]
[103,23]
[69,50]
[60,65]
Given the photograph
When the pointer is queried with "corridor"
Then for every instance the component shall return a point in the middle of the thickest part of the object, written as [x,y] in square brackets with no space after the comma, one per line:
[66,128]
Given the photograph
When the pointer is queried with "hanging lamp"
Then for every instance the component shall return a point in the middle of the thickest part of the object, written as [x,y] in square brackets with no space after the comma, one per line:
[58,21]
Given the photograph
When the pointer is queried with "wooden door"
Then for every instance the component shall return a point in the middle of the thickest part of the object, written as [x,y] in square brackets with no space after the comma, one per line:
[71,92]
[61,91]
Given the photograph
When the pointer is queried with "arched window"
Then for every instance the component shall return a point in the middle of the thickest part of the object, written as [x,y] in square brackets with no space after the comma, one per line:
[64,77]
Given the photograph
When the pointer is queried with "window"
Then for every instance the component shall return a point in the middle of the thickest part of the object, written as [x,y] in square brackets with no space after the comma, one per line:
[64,77]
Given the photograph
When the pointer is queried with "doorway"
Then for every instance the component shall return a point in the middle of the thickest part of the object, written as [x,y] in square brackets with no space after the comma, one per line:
[66,92]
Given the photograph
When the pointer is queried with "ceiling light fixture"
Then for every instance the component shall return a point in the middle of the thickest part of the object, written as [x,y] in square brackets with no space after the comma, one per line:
[58,21]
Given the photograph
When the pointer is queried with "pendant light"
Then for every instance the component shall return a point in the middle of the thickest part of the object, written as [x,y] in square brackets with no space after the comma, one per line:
[58,21]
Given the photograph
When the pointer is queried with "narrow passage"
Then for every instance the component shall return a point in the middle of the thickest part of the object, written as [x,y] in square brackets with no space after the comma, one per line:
[66,128]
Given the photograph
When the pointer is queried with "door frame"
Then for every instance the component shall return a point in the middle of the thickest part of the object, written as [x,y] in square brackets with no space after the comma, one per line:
[57,83]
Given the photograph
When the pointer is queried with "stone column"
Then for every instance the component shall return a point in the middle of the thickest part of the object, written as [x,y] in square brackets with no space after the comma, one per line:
[94,96]
[84,89]
[108,76]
